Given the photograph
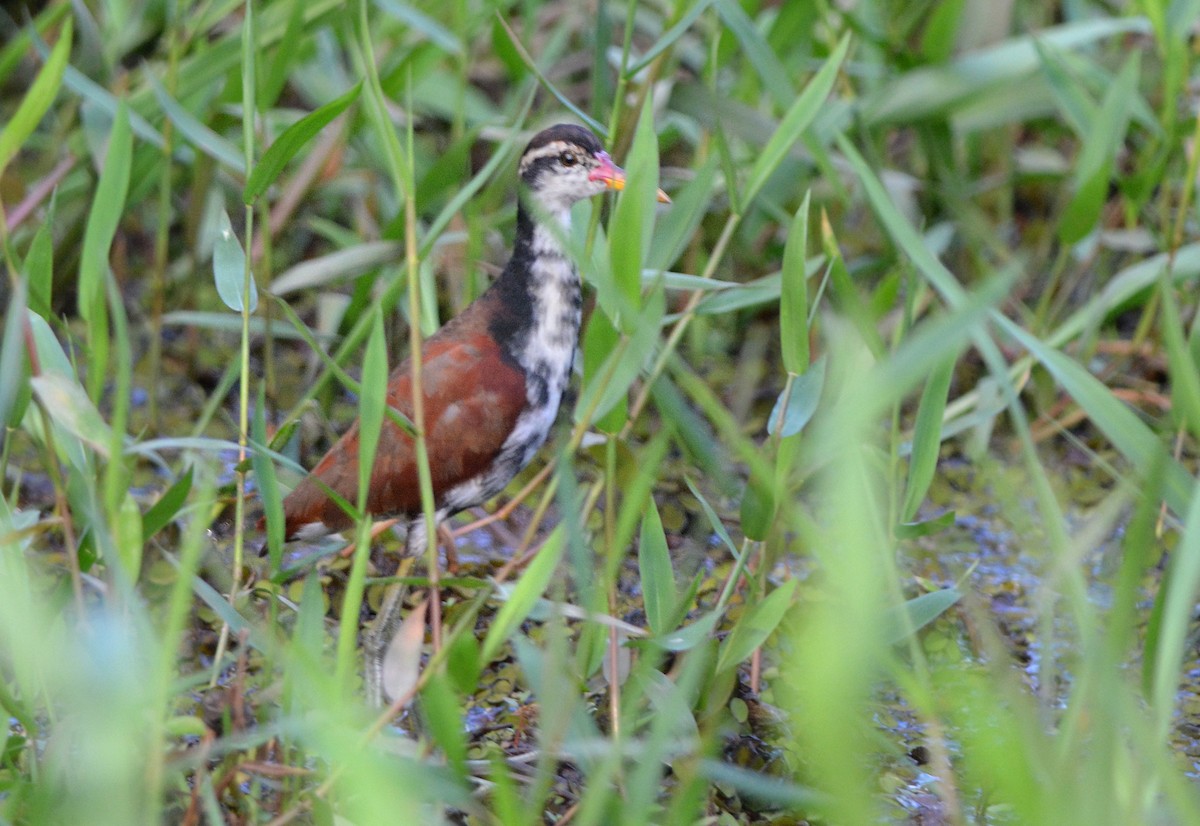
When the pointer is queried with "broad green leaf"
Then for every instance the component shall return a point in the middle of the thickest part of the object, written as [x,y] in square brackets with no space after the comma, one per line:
[755,625]
[941,30]
[37,99]
[758,785]
[633,217]
[108,204]
[462,662]
[927,438]
[13,375]
[636,495]
[920,612]
[793,296]
[600,342]
[1094,167]
[168,505]
[656,571]
[801,401]
[127,535]
[69,406]
[677,226]
[51,357]
[758,508]
[38,266]
[229,268]
[443,716]
[793,124]
[291,141]
[524,596]
[915,530]
[688,637]
[1185,380]
[624,363]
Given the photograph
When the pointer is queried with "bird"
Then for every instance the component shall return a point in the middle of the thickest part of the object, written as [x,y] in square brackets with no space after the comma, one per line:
[492,377]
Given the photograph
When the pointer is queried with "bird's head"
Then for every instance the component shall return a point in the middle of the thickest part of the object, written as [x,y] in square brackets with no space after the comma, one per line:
[565,164]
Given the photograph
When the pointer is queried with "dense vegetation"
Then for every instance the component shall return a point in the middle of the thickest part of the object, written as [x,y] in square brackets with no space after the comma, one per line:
[875,501]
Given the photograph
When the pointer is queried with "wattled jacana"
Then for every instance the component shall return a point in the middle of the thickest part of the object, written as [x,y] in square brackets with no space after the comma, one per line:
[492,377]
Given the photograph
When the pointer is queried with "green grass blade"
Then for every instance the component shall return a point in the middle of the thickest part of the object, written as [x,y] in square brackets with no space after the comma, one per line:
[1127,432]
[38,267]
[107,207]
[13,376]
[793,296]
[797,403]
[1094,168]
[371,404]
[793,124]
[657,574]
[927,439]
[285,55]
[523,596]
[160,514]
[668,38]
[1185,379]
[70,407]
[37,100]
[291,141]
[753,627]
[629,231]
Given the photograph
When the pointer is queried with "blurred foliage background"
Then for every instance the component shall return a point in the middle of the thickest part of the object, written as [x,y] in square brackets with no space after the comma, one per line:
[875,501]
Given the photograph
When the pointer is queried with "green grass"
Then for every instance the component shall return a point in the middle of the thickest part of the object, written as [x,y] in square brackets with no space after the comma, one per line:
[888,507]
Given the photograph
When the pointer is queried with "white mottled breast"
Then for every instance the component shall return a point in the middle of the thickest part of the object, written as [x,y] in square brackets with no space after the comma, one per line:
[546,357]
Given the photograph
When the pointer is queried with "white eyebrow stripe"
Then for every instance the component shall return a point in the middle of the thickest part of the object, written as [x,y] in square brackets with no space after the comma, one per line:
[550,150]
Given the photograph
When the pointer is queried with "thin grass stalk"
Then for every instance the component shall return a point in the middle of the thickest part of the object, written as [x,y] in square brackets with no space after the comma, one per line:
[249,109]
[424,476]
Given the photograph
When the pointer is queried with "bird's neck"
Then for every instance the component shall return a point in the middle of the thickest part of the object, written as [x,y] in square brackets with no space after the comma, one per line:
[541,301]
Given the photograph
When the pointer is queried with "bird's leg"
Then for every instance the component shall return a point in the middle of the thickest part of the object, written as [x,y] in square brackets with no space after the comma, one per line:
[446,537]
[383,628]
[376,639]
[386,624]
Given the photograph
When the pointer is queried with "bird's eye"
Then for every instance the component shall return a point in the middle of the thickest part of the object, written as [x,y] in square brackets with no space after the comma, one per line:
[568,159]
